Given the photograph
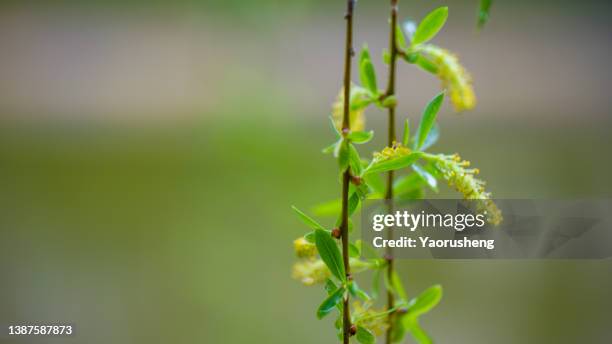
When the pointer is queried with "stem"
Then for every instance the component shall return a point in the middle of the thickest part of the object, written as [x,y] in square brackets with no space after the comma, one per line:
[391,138]
[348,54]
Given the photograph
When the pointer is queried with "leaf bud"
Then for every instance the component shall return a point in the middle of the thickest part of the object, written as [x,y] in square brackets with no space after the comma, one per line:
[356,180]
[336,233]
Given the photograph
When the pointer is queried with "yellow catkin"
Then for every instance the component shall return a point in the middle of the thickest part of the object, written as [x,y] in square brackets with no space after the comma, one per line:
[310,272]
[453,76]
[356,113]
[371,319]
[303,248]
[463,179]
[397,150]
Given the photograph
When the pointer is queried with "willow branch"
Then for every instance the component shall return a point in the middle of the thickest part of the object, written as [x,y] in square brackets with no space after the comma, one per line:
[391,139]
[348,54]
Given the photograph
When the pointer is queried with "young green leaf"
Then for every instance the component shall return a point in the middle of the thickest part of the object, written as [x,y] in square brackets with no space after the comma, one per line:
[360,136]
[310,237]
[406,137]
[400,39]
[412,195]
[432,137]
[386,56]
[397,286]
[330,303]
[358,292]
[334,128]
[407,183]
[330,254]
[353,203]
[307,219]
[365,54]
[354,161]
[375,183]
[344,155]
[354,251]
[328,208]
[418,334]
[364,336]
[330,286]
[483,12]
[425,301]
[331,148]
[367,74]
[430,25]
[428,119]
[427,177]
[398,330]
[392,164]
[362,191]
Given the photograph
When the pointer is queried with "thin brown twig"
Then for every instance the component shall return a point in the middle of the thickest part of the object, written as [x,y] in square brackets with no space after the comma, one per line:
[348,54]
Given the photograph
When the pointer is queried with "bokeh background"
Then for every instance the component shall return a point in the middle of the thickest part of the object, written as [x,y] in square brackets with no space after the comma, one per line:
[150,152]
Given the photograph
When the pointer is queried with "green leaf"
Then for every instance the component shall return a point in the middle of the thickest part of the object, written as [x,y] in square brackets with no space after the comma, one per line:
[331,148]
[400,39]
[334,128]
[360,136]
[364,336]
[483,12]
[398,331]
[362,191]
[354,250]
[406,137]
[426,64]
[310,237]
[334,207]
[427,177]
[344,155]
[358,292]
[428,119]
[412,195]
[375,182]
[397,286]
[353,203]
[354,161]
[365,54]
[307,219]
[425,301]
[329,208]
[392,164]
[330,286]
[367,74]
[329,252]
[430,25]
[432,137]
[406,184]
[330,303]
[417,332]
[386,56]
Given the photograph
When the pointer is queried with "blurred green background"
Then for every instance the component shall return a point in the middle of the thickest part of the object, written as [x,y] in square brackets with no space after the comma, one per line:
[150,152]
